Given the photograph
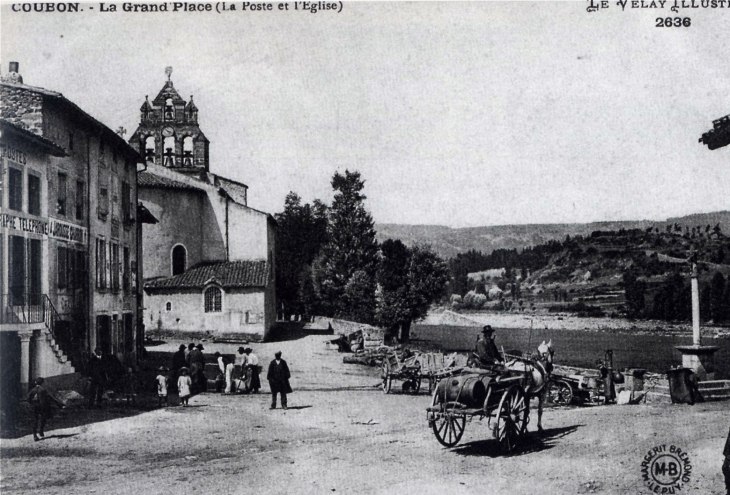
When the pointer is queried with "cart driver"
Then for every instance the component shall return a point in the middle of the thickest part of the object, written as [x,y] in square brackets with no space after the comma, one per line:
[486,350]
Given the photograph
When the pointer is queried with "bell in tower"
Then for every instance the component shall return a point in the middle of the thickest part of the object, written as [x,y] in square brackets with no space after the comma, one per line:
[168,133]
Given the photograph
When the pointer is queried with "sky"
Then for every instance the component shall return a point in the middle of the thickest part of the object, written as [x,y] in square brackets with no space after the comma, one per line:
[455,113]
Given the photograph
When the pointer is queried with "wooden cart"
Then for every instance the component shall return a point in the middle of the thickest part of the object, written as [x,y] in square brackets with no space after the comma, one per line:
[406,369]
[502,401]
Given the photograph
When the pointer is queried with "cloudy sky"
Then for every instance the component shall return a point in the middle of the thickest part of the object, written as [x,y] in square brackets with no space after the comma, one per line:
[459,114]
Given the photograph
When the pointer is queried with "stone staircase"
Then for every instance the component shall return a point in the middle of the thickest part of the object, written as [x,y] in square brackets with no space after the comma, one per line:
[711,390]
[51,318]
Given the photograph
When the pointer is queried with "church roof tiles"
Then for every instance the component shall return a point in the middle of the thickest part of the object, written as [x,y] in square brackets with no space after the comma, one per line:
[228,274]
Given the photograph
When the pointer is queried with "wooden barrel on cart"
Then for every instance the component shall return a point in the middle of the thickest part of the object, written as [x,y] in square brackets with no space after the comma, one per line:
[464,389]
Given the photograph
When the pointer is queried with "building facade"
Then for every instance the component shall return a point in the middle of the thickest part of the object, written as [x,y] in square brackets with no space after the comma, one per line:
[209,261]
[69,271]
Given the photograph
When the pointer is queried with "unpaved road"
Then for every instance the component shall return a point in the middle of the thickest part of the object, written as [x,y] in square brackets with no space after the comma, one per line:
[343,435]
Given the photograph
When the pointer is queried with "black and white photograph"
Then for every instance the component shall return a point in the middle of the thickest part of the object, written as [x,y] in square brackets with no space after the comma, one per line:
[365,247]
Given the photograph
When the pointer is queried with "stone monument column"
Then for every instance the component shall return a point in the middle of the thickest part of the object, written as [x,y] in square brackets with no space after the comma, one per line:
[696,356]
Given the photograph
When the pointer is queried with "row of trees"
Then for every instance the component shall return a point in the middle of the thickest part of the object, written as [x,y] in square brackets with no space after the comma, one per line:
[673,299]
[330,264]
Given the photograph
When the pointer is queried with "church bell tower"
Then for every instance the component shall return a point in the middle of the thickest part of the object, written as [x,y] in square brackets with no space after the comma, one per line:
[169,134]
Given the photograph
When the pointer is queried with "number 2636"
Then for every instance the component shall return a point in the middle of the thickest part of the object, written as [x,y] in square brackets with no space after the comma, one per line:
[673,22]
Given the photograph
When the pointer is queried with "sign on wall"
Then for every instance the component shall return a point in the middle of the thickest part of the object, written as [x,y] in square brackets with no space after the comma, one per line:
[50,228]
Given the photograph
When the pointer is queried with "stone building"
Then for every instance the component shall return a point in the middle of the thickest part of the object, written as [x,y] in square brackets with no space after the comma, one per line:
[69,276]
[209,262]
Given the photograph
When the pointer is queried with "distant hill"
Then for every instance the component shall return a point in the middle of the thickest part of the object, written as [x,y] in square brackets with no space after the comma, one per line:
[449,242]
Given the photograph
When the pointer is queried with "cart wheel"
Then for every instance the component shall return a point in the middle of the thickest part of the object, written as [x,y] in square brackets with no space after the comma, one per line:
[560,393]
[387,378]
[511,419]
[448,429]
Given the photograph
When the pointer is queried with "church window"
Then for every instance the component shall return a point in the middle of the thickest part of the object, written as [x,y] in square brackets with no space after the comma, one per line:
[213,299]
[179,259]
[149,149]
[168,306]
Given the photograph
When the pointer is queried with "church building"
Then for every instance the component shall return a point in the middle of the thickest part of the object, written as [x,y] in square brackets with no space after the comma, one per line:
[209,261]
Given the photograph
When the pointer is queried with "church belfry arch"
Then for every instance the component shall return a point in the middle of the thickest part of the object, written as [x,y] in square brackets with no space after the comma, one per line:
[172,123]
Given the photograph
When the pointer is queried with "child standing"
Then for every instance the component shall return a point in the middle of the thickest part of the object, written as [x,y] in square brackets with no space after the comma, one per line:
[162,383]
[42,402]
[183,385]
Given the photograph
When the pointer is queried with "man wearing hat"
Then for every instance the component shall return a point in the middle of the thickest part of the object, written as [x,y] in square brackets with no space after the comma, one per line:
[178,362]
[278,377]
[196,360]
[486,350]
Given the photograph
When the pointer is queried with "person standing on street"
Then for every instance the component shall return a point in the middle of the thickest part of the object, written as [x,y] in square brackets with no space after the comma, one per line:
[97,378]
[253,364]
[178,363]
[42,402]
[196,360]
[278,377]
[228,367]
[726,464]
[162,386]
[240,370]
[183,385]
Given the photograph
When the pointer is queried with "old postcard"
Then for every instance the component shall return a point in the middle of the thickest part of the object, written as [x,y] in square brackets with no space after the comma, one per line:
[365,247]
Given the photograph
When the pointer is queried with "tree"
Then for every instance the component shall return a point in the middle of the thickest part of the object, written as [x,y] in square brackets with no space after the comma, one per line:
[718,303]
[345,268]
[302,229]
[409,281]
[634,291]
[673,300]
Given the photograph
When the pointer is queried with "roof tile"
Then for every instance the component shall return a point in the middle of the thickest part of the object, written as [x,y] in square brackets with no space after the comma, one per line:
[229,274]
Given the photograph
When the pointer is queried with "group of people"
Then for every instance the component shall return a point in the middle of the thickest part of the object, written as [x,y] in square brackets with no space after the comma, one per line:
[186,375]
[239,374]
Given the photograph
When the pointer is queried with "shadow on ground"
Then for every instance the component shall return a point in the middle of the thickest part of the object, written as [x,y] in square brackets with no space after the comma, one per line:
[532,442]
[295,330]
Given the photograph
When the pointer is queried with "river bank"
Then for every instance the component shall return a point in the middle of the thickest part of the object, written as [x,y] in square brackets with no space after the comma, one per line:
[566,321]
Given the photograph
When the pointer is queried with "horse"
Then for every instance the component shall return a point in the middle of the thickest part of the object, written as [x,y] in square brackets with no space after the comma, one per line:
[537,374]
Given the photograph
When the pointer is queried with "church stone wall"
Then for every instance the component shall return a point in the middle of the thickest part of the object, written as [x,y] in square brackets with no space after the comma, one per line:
[185,217]
[187,313]
[249,229]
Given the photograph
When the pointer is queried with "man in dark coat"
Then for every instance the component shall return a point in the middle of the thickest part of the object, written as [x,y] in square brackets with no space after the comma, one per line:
[178,362]
[97,377]
[278,377]
[41,401]
[196,360]
[486,350]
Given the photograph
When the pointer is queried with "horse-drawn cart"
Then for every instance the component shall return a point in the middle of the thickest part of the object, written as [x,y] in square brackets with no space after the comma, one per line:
[467,393]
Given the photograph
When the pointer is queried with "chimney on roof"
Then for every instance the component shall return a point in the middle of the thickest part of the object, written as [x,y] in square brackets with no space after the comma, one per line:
[12,75]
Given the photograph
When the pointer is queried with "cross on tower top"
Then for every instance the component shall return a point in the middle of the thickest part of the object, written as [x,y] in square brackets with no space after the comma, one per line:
[168,71]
